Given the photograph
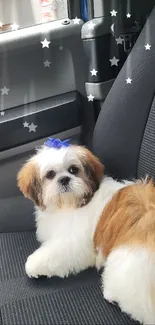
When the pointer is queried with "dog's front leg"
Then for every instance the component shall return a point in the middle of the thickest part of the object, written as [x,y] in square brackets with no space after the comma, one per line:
[60,259]
[48,260]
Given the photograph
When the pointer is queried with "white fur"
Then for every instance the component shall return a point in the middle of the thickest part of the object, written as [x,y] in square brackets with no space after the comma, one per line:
[129,280]
[67,236]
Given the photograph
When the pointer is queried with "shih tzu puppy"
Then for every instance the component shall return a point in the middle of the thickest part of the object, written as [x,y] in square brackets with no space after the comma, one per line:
[84,220]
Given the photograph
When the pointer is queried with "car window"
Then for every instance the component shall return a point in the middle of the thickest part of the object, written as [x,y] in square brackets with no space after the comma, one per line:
[15,14]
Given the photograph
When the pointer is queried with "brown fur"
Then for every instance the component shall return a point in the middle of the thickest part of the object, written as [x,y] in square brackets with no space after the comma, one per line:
[95,164]
[128,219]
[29,182]
[93,173]
[93,167]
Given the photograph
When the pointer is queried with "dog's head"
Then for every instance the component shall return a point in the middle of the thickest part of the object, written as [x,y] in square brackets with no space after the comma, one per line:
[56,179]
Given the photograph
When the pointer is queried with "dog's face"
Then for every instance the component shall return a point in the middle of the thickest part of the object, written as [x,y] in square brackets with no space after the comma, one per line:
[56,179]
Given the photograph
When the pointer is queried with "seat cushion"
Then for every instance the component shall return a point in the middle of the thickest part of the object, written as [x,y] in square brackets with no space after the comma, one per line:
[75,300]
[118,137]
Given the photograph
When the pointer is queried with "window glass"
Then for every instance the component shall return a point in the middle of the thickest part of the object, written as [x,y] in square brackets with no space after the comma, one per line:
[16,14]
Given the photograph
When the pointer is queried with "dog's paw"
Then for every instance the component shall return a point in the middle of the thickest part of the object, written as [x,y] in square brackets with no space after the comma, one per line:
[35,265]
[32,267]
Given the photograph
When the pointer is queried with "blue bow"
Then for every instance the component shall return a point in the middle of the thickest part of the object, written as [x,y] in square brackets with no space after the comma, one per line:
[57,143]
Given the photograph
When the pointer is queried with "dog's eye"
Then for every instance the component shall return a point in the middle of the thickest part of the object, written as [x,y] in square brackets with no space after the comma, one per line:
[73,170]
[51,174]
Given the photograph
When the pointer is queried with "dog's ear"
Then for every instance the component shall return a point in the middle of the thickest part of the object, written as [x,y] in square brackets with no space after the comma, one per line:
[92,165]
[97,168]
[29,182]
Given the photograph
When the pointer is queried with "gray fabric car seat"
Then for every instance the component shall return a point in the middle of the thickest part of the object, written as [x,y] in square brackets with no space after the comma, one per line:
[124,136]
[124,139]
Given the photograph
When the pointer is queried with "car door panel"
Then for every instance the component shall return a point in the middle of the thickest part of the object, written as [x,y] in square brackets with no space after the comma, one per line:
[41,102]
[22,63]
[40,119]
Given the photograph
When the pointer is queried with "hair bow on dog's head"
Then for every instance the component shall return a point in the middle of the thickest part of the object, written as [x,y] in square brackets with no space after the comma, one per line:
[57,143]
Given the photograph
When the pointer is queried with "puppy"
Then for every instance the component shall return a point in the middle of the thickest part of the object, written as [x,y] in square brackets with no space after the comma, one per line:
[84,220]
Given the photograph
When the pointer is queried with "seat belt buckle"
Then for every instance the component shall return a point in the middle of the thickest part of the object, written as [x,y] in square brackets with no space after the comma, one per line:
[128,32]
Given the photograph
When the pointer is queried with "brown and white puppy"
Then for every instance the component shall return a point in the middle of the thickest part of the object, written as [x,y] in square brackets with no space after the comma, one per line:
[85,220]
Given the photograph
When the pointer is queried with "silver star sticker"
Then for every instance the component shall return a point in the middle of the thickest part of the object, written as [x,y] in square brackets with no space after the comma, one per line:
[94,72]
[1,24]
[45,43]
[147,46]
[76,21]
[114,61]
[26,124]
[128,80]
[47,64]
[113,13]
[90,98]
[91,25]
[128,15]
[119,40]
[14,26]
[32,127]
[2,113]
[4,90]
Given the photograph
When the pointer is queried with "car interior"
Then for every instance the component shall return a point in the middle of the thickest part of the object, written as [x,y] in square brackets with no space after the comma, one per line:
[82,70]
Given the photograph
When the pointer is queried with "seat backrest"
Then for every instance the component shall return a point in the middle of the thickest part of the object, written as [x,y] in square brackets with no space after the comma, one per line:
[124,136]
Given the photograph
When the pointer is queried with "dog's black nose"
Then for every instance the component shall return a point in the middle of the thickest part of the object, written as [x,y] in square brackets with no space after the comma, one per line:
[65,180]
